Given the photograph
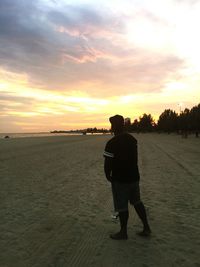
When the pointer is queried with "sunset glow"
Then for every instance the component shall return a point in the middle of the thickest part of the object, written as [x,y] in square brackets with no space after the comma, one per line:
[72,64]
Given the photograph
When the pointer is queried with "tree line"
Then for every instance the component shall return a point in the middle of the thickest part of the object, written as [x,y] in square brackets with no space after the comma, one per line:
[93,130]
[187,121]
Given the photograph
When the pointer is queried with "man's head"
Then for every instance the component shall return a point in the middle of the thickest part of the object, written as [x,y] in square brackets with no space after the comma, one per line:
[117,124]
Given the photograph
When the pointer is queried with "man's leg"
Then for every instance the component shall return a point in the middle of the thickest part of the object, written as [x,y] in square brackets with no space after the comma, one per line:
[122,234]
[140,209]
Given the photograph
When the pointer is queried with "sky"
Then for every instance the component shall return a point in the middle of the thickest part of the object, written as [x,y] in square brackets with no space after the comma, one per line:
[72,64]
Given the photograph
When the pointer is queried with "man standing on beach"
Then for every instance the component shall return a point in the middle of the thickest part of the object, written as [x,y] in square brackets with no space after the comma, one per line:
[121,169]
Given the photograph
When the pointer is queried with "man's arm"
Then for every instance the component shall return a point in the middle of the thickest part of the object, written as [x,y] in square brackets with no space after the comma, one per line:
[108,168]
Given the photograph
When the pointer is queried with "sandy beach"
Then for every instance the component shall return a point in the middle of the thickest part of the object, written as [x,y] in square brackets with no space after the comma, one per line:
[56,205]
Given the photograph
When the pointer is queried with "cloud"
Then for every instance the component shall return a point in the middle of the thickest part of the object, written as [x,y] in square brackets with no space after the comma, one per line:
[11,104]
[77,47]
[189,2]
[77,18]
[54,105]
[31,41]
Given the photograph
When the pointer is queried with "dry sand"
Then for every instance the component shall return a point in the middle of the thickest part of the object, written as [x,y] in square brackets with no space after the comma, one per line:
[55,203]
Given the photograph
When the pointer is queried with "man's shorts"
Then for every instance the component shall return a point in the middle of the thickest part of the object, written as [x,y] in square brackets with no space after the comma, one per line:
[124,194]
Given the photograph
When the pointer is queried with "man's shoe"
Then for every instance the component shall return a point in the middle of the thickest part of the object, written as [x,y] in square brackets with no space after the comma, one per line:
[145,233]
[119,236]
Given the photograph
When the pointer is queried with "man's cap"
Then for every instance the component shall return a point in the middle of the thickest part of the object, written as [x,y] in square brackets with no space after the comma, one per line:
[117,120]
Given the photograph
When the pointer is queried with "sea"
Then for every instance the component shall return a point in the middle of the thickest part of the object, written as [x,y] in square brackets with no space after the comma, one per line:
[42,134]
[23,135]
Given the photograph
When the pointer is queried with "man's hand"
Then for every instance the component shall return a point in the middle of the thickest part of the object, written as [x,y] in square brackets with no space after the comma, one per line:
[109,178]
[108,168]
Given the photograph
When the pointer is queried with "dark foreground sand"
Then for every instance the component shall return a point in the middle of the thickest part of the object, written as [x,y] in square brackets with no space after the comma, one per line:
[55,203]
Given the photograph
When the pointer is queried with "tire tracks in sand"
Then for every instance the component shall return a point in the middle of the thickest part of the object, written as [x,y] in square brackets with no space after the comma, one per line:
[175,160]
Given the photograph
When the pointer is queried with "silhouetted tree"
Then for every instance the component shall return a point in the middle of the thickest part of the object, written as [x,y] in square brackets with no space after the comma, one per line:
[127,124]
[168,121]
[195,119]
[146,123]
[184,122]
[135,126]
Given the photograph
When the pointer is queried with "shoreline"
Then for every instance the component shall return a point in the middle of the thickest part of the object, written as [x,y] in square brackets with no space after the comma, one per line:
[43,134]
